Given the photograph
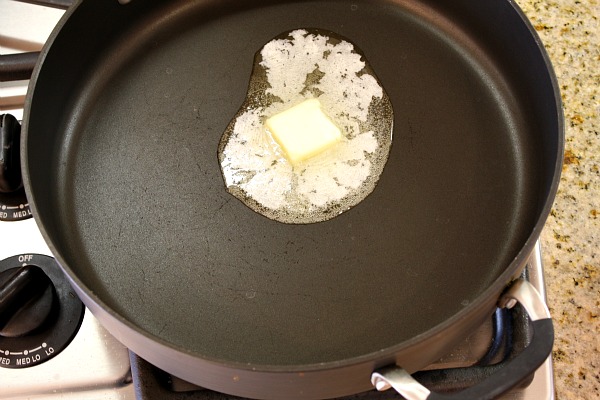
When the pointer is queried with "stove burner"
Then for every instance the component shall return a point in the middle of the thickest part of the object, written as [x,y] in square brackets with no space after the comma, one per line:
[13,203]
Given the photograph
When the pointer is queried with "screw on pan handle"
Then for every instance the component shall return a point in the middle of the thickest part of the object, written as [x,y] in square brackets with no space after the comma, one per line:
[516,371]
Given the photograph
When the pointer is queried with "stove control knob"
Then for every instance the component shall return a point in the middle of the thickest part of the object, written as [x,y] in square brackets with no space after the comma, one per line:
[26,300]
[39,312]
[10,160]
[13,202]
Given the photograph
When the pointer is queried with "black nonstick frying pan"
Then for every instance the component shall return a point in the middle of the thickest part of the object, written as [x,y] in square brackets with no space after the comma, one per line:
[125,111]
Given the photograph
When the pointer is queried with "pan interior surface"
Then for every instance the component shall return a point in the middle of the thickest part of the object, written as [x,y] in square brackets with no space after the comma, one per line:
[155,235]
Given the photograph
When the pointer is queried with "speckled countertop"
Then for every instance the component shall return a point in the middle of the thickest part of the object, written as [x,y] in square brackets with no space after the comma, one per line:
[570,241]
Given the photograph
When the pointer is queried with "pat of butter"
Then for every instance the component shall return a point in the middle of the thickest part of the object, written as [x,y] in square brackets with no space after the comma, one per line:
[303,131]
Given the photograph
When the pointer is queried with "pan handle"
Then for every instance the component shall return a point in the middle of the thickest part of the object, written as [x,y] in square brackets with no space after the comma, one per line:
[516,371]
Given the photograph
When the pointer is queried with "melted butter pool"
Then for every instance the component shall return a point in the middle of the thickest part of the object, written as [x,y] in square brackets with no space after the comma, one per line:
[291,68]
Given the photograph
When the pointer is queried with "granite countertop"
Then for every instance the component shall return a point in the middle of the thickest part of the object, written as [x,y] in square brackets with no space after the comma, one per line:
[571,238]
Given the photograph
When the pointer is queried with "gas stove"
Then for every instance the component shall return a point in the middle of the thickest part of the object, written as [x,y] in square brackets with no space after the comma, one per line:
[93,364]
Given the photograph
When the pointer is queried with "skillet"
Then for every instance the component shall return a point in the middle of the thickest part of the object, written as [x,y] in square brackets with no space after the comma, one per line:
[125,111]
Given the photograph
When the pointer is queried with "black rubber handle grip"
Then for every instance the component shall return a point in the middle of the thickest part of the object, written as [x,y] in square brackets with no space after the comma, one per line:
[515,372]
